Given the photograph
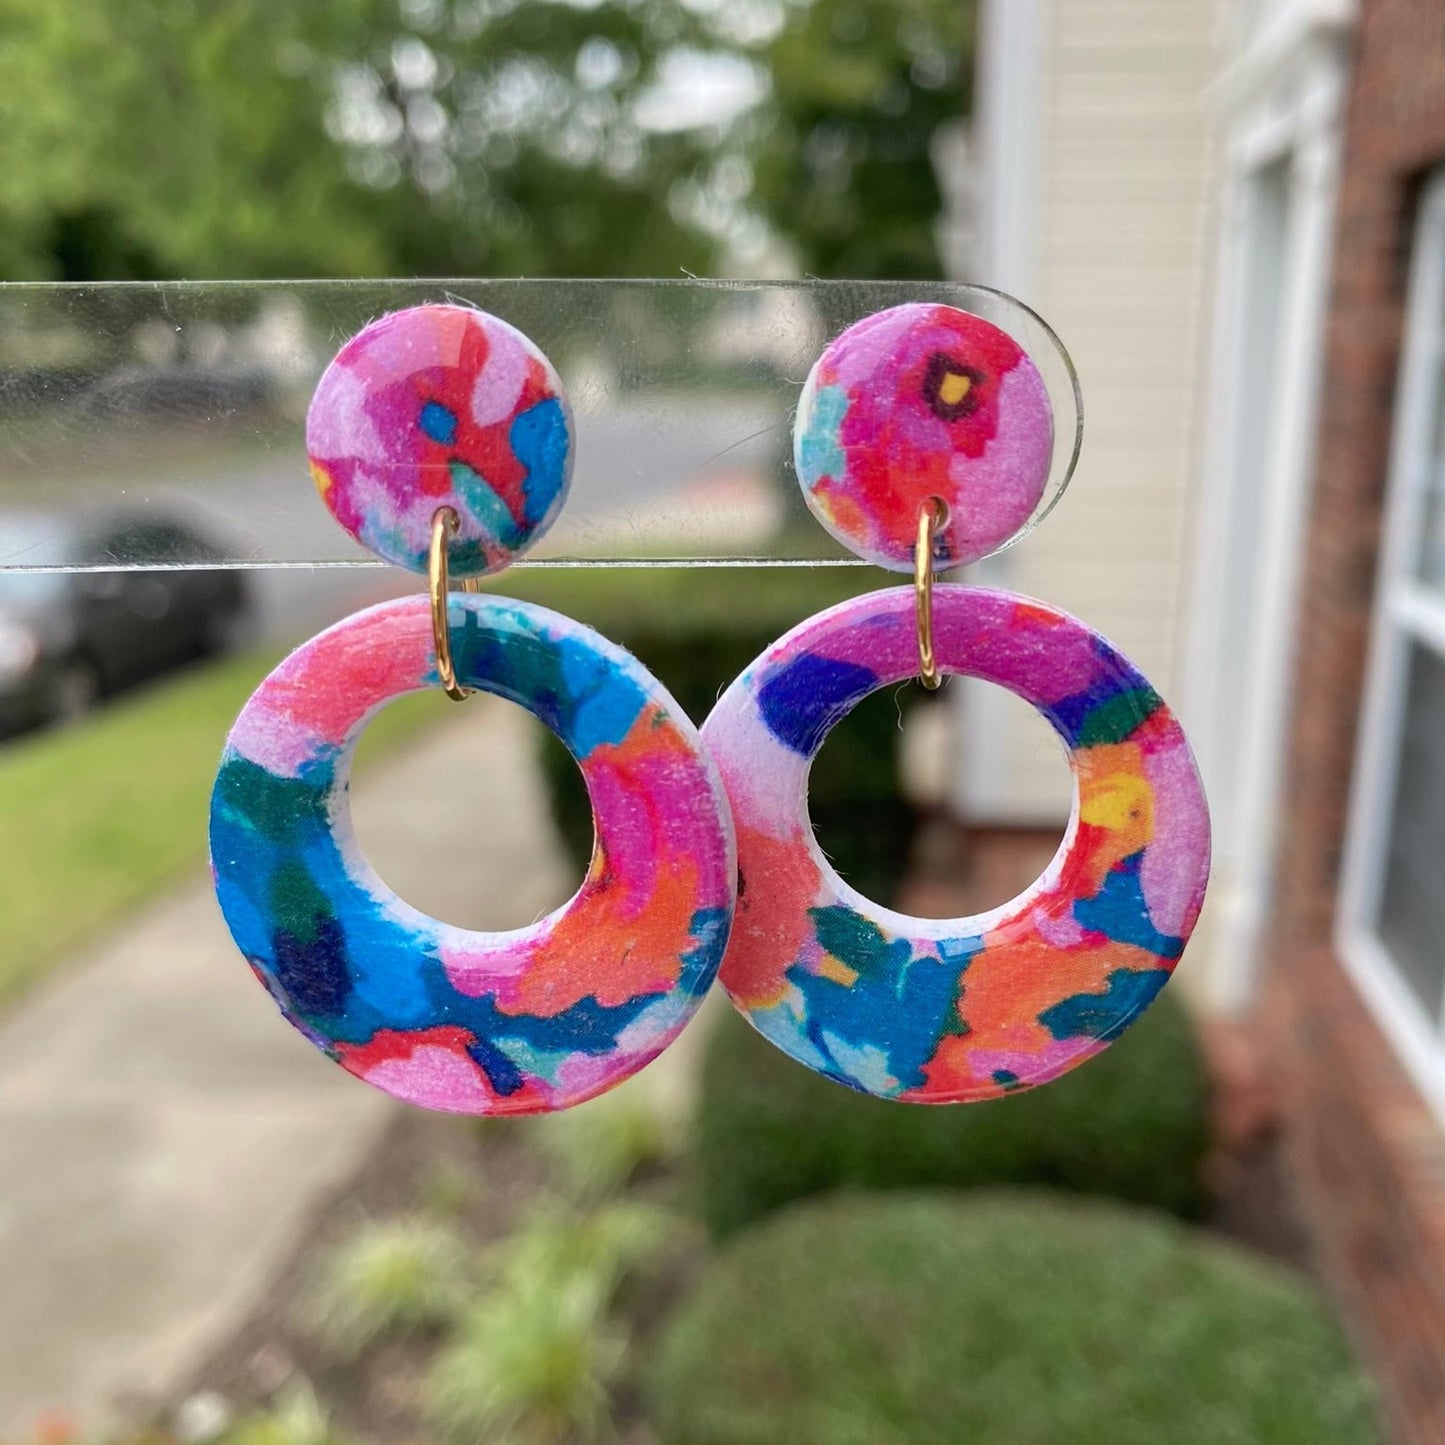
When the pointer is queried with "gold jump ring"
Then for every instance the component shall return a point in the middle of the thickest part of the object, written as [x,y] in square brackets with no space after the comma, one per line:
[444,524]
[932,518]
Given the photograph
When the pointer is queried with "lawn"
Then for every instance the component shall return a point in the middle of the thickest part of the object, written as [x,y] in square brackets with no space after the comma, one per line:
[98,817]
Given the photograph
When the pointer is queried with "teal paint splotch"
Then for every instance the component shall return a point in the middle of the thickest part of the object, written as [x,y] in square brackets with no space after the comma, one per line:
[484,504]
[1128,992]
[819,452]
[917,994]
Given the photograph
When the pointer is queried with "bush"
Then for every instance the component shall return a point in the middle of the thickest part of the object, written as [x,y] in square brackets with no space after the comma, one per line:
[1004,1320]
[595,1149]
[531,1368]
[389,1277]
[296,1417]
[1131,1123]
[533,1356]
[696,631]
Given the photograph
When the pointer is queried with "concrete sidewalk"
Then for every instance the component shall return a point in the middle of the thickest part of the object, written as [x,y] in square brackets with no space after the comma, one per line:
[164,1134]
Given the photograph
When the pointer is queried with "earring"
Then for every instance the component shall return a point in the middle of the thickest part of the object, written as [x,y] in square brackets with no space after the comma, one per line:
[923,438]
[441,439]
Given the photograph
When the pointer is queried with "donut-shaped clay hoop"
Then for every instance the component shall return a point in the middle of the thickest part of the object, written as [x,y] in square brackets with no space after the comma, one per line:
[477,1023]
[946,1011]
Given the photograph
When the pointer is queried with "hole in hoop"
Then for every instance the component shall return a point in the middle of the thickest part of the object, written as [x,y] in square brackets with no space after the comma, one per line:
[887,801]
[453,805]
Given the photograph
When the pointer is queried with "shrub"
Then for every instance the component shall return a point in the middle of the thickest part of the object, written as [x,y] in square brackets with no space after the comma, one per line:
[296,1417]
[395,1276]
[1003,1320]
[1130,1123]
[533,1358]
[531,1368]
[596,1148]
[587,1252]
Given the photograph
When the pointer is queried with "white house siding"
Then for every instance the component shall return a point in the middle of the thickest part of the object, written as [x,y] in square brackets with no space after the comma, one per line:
[1111,248]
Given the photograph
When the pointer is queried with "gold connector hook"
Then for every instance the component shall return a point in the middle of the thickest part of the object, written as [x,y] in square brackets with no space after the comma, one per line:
[932,518]
[444,524]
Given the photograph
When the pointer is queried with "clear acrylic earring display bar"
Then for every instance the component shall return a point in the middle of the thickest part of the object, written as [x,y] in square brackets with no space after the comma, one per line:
[154,426]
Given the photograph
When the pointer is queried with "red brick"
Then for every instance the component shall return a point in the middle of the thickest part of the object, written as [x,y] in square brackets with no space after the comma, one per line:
[1369,1155]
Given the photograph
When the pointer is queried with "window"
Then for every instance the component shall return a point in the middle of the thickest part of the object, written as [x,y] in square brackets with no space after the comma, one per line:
[1393,905]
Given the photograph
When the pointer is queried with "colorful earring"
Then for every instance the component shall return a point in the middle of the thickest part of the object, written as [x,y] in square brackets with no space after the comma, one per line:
[924,437]
[439,436]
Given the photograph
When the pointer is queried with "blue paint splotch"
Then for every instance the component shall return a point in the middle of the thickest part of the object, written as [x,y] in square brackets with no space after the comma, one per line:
[439,423]
[580,694]
[800,700]
[916,994]
[1119,911]
[539,440]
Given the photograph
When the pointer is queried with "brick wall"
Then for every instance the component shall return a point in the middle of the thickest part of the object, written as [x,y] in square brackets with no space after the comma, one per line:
[1371,1159]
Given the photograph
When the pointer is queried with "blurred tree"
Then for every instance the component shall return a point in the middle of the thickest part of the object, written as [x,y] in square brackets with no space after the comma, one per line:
[173,137]
[532,138]
[526,137]
[843,151]
[261,137]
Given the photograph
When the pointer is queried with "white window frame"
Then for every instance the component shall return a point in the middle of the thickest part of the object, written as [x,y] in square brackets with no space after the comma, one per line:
[1407,612]
[1284,96]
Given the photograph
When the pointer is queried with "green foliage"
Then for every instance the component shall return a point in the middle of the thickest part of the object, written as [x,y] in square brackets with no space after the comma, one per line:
[843,164]
[596,1148]
[447,1189]
[1006,1319]
[170,139]
[1131,1123]
[296,1418]
[265,138]
[481,137]
[581,1253]
[389,1277]
[508,139]
[527,1368]
[531,1361]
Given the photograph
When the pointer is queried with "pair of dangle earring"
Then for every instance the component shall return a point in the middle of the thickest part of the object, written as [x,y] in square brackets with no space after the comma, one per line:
[923,438]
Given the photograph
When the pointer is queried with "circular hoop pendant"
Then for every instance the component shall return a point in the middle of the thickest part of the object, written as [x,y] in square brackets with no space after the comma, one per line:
[479,1023]
[946,1011]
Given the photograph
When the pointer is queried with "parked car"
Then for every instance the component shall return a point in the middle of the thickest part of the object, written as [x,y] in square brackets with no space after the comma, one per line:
[69,638]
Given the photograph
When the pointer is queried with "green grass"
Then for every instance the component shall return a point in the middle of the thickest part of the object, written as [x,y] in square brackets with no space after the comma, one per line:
[99,817]
[1131,1123]
[1002,1320]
